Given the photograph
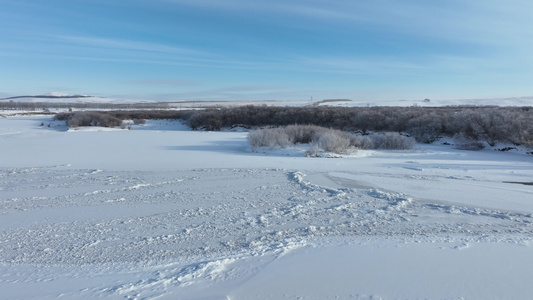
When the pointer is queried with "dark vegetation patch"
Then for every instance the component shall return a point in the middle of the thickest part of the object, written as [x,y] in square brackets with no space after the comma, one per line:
[471,126]
[115,118]
[517,182]
[504,149]
[91,118]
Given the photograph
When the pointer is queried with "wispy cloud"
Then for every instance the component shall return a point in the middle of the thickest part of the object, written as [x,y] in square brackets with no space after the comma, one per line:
[357,65]
[235,93]
[163,82]
[452,20]
[251,88]
[120,44]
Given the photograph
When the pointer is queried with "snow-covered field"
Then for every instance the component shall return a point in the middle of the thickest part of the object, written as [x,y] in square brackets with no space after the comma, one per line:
[187,104]
[161,212]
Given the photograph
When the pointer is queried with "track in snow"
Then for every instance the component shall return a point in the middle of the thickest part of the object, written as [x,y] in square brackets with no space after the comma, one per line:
[191,224]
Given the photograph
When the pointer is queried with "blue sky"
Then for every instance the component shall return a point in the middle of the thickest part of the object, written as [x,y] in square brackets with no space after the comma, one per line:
[262,50]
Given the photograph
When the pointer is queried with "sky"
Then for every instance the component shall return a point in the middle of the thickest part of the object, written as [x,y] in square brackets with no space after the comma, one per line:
[267,50]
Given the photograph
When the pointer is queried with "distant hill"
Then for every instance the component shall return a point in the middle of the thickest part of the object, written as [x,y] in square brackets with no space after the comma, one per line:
[48,97]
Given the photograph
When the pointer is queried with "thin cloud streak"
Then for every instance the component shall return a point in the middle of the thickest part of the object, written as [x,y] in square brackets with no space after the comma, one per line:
[163,82]
[126,45]
[251,88]
[451,20]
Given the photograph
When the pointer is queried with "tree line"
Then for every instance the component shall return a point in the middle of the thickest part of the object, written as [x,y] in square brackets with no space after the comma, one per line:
[426,124]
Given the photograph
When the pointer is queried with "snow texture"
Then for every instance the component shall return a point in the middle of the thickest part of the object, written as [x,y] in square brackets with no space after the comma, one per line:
[160,212]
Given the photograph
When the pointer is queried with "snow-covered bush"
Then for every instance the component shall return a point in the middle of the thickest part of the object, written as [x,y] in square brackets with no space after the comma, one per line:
[326,140]
[90,118]
[392,141]
[268,137]
[361,141]
[329,140]
[332,141]
[304,134]
[285,136]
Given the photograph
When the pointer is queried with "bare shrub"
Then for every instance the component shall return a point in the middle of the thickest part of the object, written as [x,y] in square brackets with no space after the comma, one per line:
[425,128]
[491,124]
[361,141]
[89,118]
[62,116]
[392,141]
[321,138]
[366,120]
[303,134]
[268,137]
[313,151]
[139,121]
[326,140]
[332,141]
[464,142]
